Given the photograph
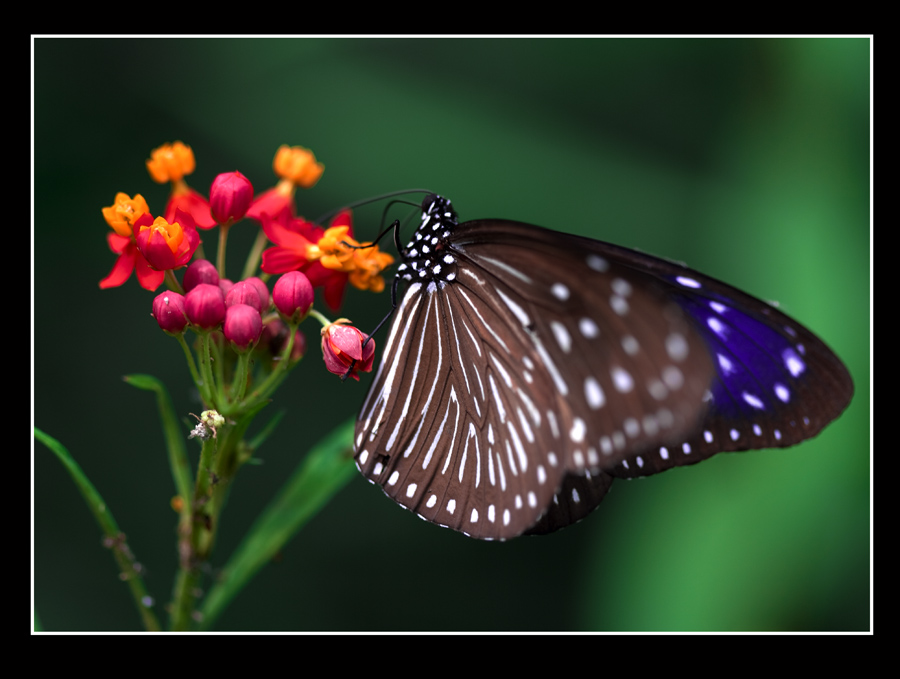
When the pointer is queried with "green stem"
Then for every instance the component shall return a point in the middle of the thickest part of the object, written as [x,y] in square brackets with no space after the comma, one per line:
[279,372]
[255,255]
[201,386]
[172,282]
[206,370]
[220,254]
[194,541]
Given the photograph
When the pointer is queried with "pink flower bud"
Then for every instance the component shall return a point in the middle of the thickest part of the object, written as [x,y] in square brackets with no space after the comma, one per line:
[293,295]
[263,291]
[243,326]
[230,197]
[205,306]
[243,292]
[225,285]
[168,310]
[200,271]
[343,350]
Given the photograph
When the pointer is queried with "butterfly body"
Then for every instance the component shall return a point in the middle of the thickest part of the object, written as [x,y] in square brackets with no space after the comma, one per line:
[526,368]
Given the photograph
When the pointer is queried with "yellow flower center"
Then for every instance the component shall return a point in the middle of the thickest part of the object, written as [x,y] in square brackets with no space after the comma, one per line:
[172,233]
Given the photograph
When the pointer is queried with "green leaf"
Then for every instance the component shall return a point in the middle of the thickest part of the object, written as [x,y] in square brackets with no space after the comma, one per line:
[323,472]
[175,437]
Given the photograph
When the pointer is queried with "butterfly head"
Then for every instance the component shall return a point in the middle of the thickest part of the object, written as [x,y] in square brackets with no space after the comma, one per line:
[426,258]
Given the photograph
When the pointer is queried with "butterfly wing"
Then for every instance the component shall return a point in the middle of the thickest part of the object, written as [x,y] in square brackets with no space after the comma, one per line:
[540,360]
[776,384]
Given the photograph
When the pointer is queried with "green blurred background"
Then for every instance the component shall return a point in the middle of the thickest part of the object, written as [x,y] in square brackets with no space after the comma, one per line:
[749,159]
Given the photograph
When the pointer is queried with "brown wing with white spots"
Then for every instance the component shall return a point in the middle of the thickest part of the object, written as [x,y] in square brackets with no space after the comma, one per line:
[627,369]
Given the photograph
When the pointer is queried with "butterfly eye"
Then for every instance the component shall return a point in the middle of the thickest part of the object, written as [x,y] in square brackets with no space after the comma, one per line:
[525,369]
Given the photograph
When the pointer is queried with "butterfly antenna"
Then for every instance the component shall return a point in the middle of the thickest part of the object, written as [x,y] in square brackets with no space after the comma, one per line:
[366,201]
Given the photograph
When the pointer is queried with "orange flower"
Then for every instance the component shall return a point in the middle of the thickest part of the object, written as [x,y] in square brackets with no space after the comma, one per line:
[171,162]
[298,164]
[332,251]
[369,264]
[122,215]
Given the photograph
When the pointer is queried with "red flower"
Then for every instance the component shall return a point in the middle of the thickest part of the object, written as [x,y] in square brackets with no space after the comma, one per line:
[293,238]
[346,351]
[167,245]
[130,259]
[189,201]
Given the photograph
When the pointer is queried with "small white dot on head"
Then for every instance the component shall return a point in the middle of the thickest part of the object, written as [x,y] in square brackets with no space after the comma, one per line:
[437,269]
[560,291]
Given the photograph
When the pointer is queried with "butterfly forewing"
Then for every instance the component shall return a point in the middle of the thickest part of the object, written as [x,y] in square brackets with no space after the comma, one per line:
[627,369]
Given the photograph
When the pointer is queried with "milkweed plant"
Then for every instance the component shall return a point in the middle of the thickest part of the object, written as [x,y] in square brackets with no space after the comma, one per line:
[241,339]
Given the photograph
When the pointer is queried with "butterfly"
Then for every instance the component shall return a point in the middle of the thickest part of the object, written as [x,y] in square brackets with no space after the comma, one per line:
[525,369]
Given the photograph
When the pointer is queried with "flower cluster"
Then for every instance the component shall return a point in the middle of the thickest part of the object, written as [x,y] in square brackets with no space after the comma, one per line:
[244,319]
